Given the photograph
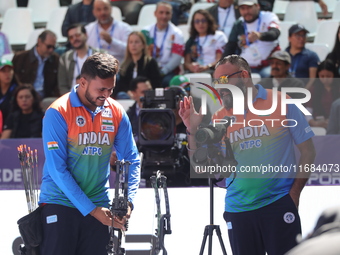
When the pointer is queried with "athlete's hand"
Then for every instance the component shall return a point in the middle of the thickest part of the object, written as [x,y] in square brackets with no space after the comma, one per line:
[104,215]
[190,117]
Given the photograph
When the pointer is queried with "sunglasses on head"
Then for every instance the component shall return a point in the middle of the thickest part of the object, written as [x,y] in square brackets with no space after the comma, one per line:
[224,78]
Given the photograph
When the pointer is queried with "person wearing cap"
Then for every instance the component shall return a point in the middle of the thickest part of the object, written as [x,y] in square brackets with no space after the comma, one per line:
[39,65]
[279,74]
[7,87]
[225,13]
[182,81]
[254,36]
[304,61]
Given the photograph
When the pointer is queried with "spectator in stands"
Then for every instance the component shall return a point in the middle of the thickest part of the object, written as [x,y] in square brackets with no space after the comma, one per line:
[5,48]
[205,45]
[71,62]
[130,9]
[325,90]
[137,88]
[335,53]
[279,74]
[78,13]
[166,43]
[304,61]
[333,127]
[179,7]
[39,66]
[225,13]
[254,36]
[106,33]
[182,81]
[137,62]
[7,87]
[25,118]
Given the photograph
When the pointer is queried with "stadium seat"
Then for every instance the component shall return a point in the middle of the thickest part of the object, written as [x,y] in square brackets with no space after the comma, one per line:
[283,38]
[307,17]
[116,13]
[17,25]
[146,17]
[185,31]
[41,10]
[280,7]
[5,5]
[126,103]
[55,22]
[336,12]
[196,7]
[33,38]
[320,49]
[255,77]
[326,32]
[330,6]
[8,56]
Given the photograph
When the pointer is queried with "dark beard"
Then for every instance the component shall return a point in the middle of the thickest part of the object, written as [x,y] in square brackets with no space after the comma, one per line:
[90,99]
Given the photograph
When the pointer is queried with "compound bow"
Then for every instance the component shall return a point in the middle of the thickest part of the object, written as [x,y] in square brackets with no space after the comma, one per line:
[163,220]
[119,206]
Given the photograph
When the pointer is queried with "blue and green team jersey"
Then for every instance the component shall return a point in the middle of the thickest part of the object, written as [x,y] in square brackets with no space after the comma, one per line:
[77,145]
[268,146]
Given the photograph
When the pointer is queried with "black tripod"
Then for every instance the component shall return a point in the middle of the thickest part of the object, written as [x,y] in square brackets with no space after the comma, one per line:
[209,229]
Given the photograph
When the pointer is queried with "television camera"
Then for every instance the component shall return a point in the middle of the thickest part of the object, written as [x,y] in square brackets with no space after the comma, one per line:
[159,138]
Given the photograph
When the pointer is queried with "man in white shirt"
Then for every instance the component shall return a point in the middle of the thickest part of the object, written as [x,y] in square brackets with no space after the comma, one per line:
[106,33]
[166,42]
[254,36]
[225,13]
[71,62]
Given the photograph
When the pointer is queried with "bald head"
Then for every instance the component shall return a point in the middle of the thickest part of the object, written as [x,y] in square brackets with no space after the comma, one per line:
[102,11]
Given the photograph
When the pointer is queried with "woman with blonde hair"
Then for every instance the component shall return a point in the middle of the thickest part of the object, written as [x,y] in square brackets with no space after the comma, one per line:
[137,62]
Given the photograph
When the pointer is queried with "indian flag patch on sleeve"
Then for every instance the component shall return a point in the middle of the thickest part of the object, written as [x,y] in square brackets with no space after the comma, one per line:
[52,146]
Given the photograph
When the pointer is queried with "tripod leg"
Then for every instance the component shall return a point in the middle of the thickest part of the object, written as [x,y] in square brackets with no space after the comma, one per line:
[205,235]
[218,232]
[211,231]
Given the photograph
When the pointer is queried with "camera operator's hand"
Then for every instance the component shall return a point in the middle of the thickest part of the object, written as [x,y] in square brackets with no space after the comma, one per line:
[190,117]
[104,215]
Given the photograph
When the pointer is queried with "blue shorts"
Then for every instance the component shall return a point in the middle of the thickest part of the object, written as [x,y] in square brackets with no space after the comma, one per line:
[68,232]
[272,229]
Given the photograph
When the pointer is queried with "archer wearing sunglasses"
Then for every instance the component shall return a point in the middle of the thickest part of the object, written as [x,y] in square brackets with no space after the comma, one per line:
[205,45]
[39,66]
[260,208]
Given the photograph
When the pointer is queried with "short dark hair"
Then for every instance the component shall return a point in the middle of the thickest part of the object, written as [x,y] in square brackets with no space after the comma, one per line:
[102,65]
[134,82]
[76,25]
[44,34]
[235,60]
